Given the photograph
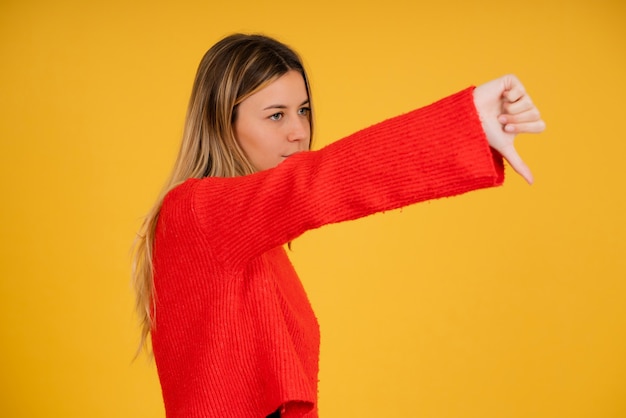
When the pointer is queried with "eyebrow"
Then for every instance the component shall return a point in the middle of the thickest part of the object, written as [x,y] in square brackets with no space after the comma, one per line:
[278,106]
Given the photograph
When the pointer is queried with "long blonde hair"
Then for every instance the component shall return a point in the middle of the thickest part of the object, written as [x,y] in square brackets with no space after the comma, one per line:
[230,71]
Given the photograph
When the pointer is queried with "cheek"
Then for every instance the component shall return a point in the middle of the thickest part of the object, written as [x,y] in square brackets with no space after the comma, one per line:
[258,146]
[246,138]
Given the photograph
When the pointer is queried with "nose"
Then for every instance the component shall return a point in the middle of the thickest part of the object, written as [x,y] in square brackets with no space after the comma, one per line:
[299,129]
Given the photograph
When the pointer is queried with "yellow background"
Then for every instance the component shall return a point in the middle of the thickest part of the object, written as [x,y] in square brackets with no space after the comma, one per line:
[508,302]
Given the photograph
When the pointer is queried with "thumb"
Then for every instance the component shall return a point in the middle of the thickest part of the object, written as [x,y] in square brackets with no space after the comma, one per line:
[510,154]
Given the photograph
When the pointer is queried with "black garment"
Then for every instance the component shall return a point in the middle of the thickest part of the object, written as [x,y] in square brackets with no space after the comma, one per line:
[275,414]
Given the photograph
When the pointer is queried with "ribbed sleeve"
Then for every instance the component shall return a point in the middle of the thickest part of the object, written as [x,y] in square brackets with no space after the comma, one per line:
[235,335]
[436,151]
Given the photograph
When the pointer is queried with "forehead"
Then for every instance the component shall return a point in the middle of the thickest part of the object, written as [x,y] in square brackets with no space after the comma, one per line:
[287,89]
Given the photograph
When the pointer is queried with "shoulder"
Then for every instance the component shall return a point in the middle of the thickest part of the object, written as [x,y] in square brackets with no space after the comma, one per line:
[181,194]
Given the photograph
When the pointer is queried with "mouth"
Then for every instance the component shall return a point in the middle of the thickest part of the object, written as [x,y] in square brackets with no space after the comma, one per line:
[289,155]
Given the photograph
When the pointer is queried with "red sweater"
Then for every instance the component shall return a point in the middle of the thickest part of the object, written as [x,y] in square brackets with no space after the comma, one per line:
[235,335]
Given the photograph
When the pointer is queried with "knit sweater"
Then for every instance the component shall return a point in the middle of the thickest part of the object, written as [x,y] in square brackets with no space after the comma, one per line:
[234,333]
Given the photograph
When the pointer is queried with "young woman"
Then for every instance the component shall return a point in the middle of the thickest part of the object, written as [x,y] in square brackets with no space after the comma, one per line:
[233,333]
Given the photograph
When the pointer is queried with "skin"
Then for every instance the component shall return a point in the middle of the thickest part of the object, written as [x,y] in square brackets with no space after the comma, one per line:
[505,110]
[273,123]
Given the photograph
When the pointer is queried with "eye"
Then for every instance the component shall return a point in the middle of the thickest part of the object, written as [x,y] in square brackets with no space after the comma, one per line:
[304,111]
[276,116]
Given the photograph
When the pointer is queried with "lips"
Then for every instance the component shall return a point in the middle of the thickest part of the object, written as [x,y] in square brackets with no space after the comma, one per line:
[289,155]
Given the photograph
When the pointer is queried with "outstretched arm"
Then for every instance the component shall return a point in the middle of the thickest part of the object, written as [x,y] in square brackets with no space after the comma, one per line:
[505,110]
[436,151]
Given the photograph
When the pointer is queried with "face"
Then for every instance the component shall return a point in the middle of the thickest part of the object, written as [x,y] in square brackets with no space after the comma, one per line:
[273,123]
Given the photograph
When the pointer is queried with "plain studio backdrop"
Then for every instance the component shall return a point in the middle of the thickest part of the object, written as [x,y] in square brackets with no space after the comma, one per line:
[507,302]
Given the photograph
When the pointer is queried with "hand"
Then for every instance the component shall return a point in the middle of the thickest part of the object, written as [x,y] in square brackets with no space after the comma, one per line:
[505,110]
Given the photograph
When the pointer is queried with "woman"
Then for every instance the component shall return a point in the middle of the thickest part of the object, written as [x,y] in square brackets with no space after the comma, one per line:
[233,333]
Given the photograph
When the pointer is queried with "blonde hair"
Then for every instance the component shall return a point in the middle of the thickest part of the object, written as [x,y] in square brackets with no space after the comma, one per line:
[230,71]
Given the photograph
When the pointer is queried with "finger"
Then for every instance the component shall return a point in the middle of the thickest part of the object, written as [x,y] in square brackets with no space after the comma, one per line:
[533,127]
[514,89]
[523,104]
[531,115]
[515,161]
